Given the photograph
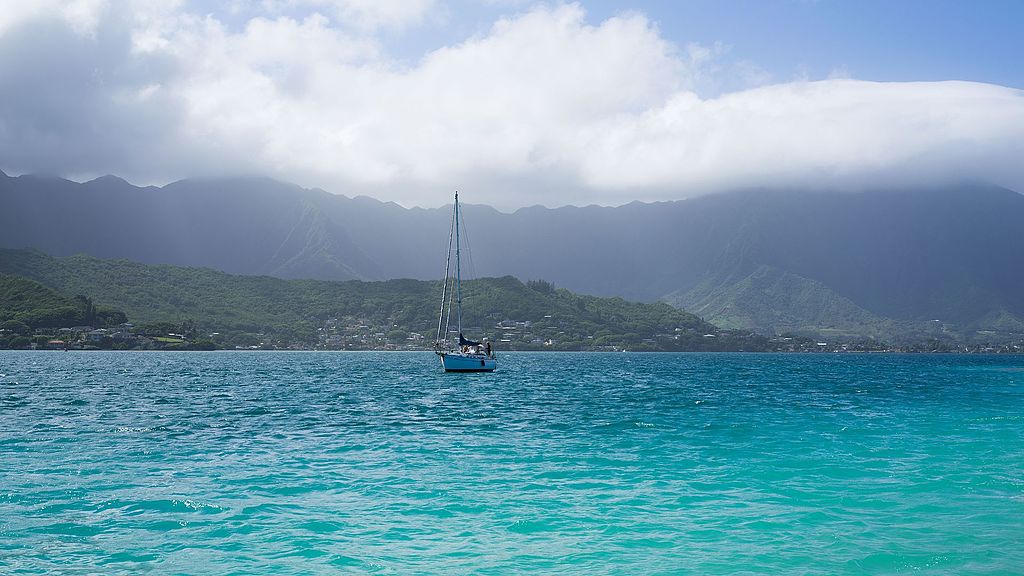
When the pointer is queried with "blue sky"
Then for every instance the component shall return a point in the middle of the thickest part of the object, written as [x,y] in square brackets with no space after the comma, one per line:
[896,40]
[526,102]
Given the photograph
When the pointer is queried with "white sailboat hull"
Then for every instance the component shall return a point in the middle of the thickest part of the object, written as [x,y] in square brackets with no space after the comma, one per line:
[459,362]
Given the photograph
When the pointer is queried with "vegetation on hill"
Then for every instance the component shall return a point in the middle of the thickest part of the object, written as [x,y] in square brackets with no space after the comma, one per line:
[29,303]
[32,314]
[263,311]
[772,301]
[904,264]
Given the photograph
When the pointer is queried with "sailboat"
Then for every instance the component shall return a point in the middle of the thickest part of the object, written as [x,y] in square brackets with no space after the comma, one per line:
[464,355]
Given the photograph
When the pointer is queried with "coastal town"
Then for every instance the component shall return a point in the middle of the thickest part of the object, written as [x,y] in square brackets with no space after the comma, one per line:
[125,336]
[351,333]
[355,334]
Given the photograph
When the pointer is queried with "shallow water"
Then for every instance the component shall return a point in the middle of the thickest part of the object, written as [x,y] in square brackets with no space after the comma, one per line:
[278,463]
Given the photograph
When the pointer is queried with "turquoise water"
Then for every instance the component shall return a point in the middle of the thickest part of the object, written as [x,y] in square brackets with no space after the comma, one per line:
[298,463]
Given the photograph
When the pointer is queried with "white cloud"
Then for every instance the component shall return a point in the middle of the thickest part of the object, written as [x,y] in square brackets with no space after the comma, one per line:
[81,15]
[542,107]
[832,133]
[291,95]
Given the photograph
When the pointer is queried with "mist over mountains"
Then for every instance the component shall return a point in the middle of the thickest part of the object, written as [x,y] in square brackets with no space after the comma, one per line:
[940,261]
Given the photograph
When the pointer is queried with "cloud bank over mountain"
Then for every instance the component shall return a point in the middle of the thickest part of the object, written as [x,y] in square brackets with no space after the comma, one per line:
[541,106]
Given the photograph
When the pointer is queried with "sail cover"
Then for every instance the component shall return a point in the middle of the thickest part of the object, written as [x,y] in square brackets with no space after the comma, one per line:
[464,342]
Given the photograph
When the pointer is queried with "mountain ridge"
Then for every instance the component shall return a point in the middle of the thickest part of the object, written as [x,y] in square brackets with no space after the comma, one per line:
[892,259]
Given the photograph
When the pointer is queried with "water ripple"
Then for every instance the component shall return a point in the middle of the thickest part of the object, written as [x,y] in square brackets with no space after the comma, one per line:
[297,463]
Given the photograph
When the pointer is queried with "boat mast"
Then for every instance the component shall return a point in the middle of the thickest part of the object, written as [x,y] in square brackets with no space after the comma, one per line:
[458,267]
[444,289]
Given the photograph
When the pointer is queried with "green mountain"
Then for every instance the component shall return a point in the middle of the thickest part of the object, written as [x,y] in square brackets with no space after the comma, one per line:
[871,263]
[21,297]
[249,310]
[26,305]
[772,301]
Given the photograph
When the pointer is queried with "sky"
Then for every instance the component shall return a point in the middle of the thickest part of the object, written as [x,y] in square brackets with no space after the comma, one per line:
[516,103]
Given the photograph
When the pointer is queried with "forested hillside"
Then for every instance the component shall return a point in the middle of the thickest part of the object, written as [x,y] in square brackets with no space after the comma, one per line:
[261,310]
[30,303]
[901,263]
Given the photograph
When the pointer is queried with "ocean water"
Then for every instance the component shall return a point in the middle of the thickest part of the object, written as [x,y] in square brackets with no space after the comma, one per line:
[306,463]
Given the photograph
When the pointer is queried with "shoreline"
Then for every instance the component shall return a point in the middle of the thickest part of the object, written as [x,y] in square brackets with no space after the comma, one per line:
[596,352]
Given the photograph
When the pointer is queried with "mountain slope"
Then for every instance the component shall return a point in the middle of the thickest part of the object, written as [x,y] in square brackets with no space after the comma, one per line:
[771,301]
[252,225]
[28,304]
[880,260]
[20,295]
[912,257]
[298,311]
